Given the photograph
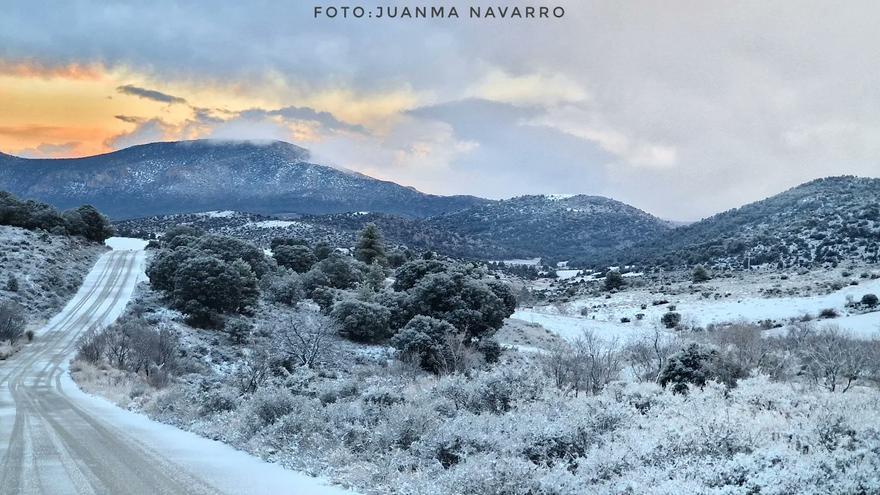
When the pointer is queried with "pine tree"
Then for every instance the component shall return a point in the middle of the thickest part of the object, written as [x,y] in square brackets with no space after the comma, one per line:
[371,246]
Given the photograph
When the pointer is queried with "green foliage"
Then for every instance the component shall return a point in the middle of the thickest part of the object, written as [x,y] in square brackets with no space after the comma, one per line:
[284,287]
[700,274]
[338,272]
[614,280]
[362,321]
[457,297]
[298,258]
[84,221]
[424,340]
[230,249]
[671,319]
[322,250]
[214,276]
[170,235]
[375,277]
[371,247]
[239,330]
[286,241]
[215,285]
[12,283]
[696,365]
[691,365]
[869,300]
[88,222]
[411,272]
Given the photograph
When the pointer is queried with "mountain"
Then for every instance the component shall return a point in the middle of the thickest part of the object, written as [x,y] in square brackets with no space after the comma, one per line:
[529,226]
[191,176]
[555,226]
[825,221]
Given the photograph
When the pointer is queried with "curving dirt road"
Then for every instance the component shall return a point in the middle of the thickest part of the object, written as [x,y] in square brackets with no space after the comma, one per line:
[55,440]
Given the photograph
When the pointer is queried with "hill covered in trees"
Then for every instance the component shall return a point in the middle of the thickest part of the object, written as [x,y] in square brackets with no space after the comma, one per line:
[825,221]
[191,176]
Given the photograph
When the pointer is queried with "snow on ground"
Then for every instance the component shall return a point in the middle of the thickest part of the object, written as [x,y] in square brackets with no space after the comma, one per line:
[123,243]
[527,262]
[603,315]
[559,197]
[570,327]
[217,214]
[231,470]
[566,274]
[271,224]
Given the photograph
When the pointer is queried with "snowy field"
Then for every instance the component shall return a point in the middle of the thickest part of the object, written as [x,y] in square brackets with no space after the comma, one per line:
[603,315]
[126,243]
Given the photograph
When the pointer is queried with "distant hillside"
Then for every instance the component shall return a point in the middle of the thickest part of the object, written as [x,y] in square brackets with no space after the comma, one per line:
[529,226]
[179,177]
[824,221]
[560,227]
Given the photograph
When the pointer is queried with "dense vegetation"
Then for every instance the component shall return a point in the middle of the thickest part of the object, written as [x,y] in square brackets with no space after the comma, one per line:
[215,279]
[84,221]
[826,221]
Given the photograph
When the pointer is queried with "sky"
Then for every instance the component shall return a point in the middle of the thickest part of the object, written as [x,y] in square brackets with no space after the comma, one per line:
[681,108]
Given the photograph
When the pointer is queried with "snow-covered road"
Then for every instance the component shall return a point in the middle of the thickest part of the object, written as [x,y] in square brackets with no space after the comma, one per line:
[55,439]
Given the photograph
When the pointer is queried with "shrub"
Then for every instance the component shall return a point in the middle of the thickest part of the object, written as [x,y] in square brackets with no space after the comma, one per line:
[700,274]
[12,283]
[283,287]
[337,271]
[614,280]
[214,285]
[473,306]
[12,321]
[869,300]
[671,319]
[424,341]
[828,313]
[269,404]
[362,321]
[688,366]
[296,257]
[239,330]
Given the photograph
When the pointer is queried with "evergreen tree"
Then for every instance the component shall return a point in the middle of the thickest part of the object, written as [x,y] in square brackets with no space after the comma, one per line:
[614,280]
[298,258]
[322,250]
[700,274]
[12,284]
[376,277]
[371,246]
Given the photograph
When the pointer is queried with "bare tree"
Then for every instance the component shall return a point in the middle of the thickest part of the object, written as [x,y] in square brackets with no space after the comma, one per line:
[834,360]
[649,354]
[12,321]
[456,355]
[586,364]
[305,336]
[253,370]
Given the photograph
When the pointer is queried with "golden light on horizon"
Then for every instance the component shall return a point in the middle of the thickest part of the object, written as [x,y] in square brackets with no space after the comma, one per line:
[73,110]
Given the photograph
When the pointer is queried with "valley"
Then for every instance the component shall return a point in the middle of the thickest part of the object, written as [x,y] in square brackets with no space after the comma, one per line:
[538,344]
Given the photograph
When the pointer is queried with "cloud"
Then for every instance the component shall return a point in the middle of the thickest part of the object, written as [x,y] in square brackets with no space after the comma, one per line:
[128,119]
[146,131]
[293,113]
[149,94]
[709,105]
[36,69]
[49,150]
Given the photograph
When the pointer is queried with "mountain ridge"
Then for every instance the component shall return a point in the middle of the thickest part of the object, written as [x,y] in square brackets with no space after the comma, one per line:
[188,176]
